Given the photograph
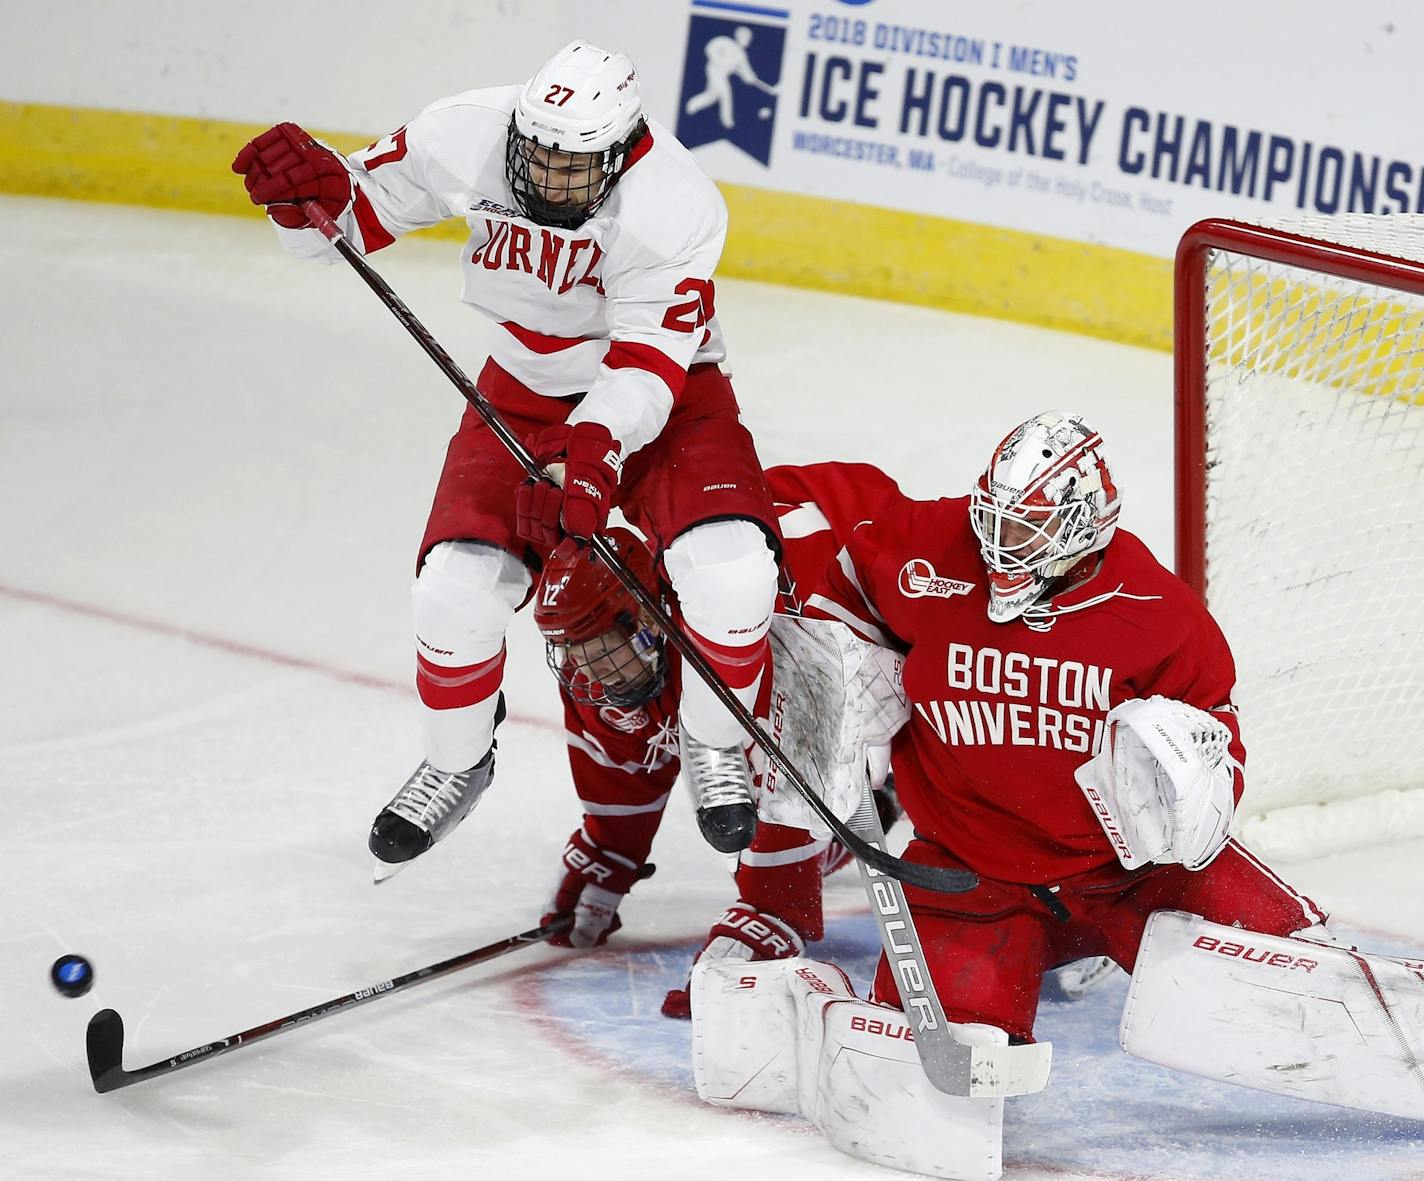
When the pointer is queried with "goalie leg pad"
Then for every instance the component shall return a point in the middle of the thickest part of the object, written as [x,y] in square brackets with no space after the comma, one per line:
[1281,1014]
[862,1085]
[744,1032]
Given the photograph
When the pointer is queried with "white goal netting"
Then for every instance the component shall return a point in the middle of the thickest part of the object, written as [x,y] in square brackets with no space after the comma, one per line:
[1314,535]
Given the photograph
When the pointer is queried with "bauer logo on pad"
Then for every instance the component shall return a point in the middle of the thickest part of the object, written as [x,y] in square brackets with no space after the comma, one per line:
[731,77]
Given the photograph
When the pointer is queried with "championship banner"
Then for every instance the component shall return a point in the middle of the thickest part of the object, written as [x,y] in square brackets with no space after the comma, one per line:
[1098,122]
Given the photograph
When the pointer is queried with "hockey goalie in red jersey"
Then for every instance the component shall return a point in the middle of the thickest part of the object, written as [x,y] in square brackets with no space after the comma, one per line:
[1037,633]
[618,680]
[1070,737]
[593,241]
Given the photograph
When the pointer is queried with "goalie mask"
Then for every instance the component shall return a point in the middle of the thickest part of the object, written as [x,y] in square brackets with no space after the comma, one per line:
[573,126]
[1046,501]
[596,640]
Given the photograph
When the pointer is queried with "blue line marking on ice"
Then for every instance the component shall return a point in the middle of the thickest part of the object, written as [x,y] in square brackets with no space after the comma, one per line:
[1103,1111]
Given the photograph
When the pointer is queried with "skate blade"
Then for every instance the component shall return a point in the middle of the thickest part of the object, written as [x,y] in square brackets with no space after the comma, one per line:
[385,870]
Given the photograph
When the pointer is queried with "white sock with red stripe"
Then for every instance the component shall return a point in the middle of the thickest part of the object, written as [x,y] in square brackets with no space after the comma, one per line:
[724,576]
[463,599]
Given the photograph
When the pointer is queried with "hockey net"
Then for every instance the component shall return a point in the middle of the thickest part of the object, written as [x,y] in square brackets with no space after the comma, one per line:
[1300,512]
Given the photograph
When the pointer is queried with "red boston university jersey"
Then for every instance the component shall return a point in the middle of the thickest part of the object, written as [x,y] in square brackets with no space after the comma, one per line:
[1003,713]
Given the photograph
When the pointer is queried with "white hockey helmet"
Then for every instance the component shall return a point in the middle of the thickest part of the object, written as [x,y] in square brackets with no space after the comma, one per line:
[583,100]
[1046,500]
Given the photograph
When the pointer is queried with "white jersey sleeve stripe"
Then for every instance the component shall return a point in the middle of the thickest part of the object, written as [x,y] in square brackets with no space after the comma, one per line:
[590,746]
[847,565]
[802,521]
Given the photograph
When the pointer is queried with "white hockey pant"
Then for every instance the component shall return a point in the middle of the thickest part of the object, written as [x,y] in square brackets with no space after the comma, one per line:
[1291,1015]
[462,602]
[790,1036]
[724,576]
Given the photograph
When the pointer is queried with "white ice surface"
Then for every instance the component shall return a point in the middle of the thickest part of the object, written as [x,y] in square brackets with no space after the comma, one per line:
[215,462]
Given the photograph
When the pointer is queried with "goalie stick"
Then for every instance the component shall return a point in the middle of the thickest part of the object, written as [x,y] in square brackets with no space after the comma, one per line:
[952,1066]
[943,881]
[105,1039]
[945,1059]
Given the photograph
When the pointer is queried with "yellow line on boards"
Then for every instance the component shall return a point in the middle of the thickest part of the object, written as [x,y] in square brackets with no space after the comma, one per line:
[963,267]
[177,162]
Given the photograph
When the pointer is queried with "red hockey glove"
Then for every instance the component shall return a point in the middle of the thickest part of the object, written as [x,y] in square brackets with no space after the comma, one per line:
[594,883]
[284,163]
[742,933]
[592,462]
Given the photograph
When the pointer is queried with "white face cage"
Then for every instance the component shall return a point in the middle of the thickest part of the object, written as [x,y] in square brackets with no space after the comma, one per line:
[1020,538]
[622,667]
[569,192]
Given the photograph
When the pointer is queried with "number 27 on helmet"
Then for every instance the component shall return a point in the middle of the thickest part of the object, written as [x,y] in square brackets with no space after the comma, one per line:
[572,130]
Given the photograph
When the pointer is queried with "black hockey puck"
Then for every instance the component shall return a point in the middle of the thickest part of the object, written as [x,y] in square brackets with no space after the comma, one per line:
[72,975]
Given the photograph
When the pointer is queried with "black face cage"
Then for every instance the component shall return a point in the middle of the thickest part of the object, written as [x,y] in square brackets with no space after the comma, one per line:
[557,209]
[629,662]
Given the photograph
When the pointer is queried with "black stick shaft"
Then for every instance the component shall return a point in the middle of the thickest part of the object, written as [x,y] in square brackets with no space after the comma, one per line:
[106,1027]
[946,881]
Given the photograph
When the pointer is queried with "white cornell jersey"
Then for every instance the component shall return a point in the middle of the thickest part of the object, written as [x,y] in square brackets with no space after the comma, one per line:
[618,308]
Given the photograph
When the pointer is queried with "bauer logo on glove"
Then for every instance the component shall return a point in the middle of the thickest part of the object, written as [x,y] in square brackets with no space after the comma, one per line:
[1163,785]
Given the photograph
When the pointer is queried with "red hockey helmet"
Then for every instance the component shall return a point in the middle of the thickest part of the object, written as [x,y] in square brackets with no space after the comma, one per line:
[597,641]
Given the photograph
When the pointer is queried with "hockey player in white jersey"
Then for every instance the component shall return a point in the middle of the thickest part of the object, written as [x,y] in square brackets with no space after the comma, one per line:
[593,241]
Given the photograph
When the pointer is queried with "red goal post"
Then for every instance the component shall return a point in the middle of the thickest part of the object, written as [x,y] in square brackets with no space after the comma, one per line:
[1299,363]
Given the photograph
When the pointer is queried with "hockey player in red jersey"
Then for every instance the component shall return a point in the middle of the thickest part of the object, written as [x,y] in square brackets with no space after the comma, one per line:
[1069,736]
[593,241]
[1037,633]
[618,682]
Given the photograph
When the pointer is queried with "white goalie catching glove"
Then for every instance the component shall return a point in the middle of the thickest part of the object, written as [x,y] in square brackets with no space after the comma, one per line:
[1162,785]
[836,702]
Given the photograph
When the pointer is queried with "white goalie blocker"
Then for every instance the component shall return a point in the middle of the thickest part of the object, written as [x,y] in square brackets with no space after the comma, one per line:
[1288,1015]
[790,1036]
[836,703]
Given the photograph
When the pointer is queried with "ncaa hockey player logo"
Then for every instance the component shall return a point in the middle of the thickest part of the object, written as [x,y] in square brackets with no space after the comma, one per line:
[918,580]
[731,76]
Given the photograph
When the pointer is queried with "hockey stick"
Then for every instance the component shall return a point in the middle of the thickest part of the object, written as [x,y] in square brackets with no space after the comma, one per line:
[980,1072]
[105,1038]
[944,881]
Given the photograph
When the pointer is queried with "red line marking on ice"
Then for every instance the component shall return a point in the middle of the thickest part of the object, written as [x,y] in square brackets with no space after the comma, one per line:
[235,647]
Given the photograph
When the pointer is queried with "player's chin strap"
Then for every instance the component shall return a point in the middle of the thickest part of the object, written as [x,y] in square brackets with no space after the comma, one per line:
[944,881]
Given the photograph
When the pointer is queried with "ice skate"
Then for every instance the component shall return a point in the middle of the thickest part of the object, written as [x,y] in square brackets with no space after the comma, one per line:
[721,785]
[426,810]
